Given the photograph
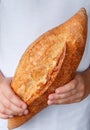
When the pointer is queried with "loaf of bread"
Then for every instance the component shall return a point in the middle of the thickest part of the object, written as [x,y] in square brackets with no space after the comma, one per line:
[49,62]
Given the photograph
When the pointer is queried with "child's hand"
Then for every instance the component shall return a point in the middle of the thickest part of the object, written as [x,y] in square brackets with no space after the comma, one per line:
[10,104]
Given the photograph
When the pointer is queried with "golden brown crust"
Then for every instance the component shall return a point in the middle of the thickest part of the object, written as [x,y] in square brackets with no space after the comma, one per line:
[57,53]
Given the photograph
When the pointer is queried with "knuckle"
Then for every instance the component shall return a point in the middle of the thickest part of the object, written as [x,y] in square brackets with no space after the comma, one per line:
[73,85]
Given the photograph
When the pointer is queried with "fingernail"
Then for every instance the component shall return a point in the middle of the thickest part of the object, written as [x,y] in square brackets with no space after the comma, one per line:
[10,116]
[25,112]
[57,91]
[51,97]
[24,106]
[20,114]
[49,102]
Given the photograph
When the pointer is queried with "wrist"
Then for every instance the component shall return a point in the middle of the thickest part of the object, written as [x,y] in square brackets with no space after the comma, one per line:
[86,78]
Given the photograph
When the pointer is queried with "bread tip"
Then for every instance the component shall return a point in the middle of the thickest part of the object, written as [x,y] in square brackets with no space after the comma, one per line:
[83,10]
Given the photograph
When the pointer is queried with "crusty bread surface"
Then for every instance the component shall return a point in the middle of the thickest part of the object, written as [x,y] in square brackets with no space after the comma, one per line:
[48,63]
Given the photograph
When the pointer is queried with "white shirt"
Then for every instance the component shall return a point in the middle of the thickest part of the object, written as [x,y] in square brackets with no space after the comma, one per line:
[22,21]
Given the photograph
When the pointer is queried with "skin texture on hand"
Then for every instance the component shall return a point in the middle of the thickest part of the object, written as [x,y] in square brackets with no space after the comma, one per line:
[10,104]
[72,92]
